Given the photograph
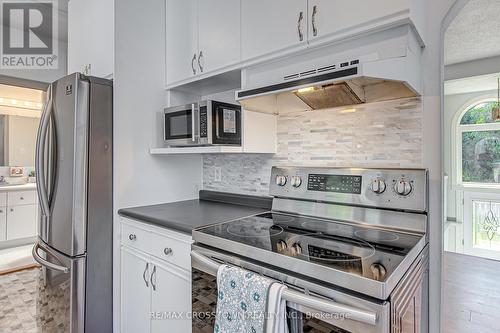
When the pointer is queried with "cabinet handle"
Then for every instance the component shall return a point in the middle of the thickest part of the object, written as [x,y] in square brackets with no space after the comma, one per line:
[144,275]
[199,61]
[168,251]
[192,64]
[315,29]
[12,209]
[1,210]
[299,26]
[21,198]
[153,284]
[132,237]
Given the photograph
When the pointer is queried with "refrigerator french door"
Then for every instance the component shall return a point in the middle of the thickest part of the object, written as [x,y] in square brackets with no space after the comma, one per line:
[74,184]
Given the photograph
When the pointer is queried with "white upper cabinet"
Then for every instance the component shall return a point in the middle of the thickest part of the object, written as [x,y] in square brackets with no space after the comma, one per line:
[91,37]
[338,18]
[202,36]
[182,39]
[219,34]
[271,26]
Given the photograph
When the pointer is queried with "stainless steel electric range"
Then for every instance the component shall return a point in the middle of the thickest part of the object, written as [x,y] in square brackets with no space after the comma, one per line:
[351,244]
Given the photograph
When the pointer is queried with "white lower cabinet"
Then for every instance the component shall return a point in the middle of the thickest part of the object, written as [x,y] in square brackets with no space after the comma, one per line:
[155,280]
[171,297]
[21,221]
[3,223]
[135,292]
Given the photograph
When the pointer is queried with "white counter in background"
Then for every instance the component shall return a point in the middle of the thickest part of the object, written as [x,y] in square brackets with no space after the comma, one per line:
[21,187]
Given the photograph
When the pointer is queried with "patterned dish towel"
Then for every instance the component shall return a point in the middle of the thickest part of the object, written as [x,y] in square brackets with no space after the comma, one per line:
[248,303]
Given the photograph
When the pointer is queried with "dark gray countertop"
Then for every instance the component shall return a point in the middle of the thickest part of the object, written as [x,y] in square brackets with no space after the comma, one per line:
[211,208]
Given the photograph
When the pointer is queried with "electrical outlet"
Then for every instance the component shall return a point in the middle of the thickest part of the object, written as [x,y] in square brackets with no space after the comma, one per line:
[218,174]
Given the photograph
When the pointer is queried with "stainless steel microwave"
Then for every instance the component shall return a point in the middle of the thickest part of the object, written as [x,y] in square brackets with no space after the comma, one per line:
[202,123]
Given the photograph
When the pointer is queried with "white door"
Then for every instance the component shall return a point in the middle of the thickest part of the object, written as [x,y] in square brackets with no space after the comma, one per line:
[171,297]
[219,33]
[330,17]
[270,26]
[21,221]
[182,39]
[482,224]
[3,223]
[135,292]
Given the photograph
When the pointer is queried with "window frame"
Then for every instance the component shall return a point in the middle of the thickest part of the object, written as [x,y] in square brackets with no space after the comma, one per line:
[457,142]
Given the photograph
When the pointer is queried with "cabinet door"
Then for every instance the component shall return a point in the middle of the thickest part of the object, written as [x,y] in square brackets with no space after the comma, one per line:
[171,296]
[91,37]
[330,17]
[219,33]
[270,26]
[135,292]
[3,223]
[21,221]
[182,39]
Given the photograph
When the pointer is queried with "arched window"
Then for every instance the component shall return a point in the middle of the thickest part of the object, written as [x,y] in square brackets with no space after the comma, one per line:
[478,144]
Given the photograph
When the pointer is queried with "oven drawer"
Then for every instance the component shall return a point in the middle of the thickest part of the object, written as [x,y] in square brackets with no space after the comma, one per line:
[172,250]
[136,237]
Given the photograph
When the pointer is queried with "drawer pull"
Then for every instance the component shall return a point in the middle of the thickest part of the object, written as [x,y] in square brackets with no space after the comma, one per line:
[21,198]
[168,251]
[132,237]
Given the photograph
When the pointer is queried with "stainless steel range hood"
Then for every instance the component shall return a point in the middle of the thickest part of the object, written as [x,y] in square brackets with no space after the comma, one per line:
[374,71]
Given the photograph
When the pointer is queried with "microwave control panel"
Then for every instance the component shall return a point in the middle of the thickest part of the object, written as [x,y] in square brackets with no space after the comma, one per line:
[203,122]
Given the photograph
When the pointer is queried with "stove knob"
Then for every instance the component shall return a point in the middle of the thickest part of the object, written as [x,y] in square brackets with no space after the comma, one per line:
[296,249]
[403,187]
[281,246]
[280,180]
[378,271]
[296,181]
[378,186]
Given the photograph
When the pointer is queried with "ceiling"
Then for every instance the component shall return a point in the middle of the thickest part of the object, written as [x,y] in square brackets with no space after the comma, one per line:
[475,33]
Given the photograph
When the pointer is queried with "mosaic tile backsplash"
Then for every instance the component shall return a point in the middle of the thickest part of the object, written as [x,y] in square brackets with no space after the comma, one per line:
[386,134]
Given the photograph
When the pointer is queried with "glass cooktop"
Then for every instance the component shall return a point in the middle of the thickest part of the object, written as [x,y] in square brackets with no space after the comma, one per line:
[363,251]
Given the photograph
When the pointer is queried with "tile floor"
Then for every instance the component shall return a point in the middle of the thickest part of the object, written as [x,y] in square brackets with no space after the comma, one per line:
[18,301]
[16,257]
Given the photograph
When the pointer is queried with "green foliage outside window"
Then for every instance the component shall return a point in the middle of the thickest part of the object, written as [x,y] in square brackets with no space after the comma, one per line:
[480,149]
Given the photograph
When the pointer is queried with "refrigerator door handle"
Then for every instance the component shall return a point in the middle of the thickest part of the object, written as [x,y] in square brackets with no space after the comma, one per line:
[46,263]
[39,161]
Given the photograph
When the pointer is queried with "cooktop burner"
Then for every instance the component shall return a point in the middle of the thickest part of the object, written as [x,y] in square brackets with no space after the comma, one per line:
[356,249]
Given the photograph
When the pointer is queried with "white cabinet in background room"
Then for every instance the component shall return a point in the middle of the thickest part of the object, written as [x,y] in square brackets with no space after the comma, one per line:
[202,36]
[270,26]
[91,37]
[3,223]
[155,279]
[18,215]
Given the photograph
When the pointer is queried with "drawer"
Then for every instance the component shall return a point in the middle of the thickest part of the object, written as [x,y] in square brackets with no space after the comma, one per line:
[136,237]
[17,198]
[172,250]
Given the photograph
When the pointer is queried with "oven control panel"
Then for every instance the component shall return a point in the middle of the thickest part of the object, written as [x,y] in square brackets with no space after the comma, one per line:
[334,183]
[404,189]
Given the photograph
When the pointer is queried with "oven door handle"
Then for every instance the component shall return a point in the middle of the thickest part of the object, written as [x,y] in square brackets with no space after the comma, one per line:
[300,298]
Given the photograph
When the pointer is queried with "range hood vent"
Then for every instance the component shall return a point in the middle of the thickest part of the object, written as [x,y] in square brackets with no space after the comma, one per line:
[380,67]
[315,90]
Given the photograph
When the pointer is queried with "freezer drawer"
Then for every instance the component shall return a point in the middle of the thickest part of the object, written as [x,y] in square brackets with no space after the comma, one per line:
[60,303]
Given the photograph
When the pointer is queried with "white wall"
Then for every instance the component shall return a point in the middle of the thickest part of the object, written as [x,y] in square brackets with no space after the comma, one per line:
[21,140]
[139,97]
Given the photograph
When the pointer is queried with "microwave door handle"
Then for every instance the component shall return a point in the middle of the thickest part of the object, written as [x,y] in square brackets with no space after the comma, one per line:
[193,136]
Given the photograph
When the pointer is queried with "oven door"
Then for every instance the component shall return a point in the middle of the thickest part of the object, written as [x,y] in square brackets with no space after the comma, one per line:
[181,125]
[314,312]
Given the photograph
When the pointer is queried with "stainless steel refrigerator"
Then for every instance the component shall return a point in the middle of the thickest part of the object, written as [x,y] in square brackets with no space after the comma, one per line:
[74,183]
